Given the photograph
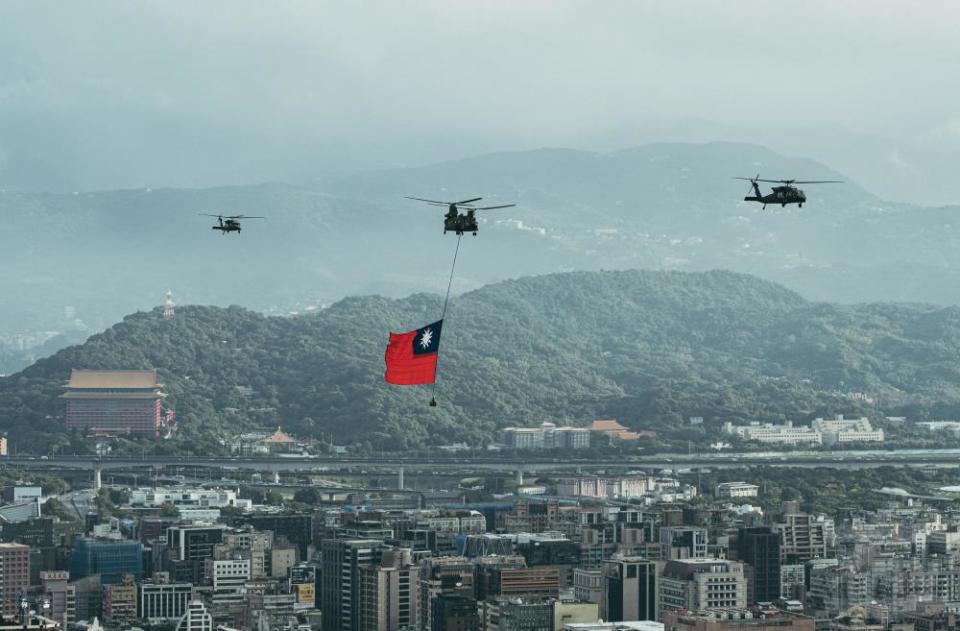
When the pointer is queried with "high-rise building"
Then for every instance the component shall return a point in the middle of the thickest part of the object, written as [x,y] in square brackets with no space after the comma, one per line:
[14,574]
[57,592]
[587,585]
[120,604]
[629,589]
[759,548]
[341,564]
[388,592]
[283,556]
[253,544]
[494,580]
[189,547]
[702,584]
[159,601]
[440,577]
[559,552]
[943,542]
[109,558]
[684,542]
[792,582]
[87,596]
[454,612]
[36,533]
[295,528]
[114,401]
[228,579]
[804,537]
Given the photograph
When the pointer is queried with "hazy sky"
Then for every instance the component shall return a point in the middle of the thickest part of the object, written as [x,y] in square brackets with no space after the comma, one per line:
[181,93]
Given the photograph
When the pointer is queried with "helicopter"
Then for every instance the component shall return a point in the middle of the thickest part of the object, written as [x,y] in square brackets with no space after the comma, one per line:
[229,223]
[785,194]
[456,222]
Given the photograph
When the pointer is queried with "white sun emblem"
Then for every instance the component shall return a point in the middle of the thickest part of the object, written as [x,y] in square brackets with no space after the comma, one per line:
[426,338]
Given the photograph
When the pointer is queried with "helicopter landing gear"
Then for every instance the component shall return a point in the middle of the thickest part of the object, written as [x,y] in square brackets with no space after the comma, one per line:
[800,205]
[474,234]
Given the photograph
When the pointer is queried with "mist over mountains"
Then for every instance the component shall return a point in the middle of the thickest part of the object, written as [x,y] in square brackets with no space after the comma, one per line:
[659,206]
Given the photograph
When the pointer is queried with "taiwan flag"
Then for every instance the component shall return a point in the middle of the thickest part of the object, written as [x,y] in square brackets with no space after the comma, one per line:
[412,357]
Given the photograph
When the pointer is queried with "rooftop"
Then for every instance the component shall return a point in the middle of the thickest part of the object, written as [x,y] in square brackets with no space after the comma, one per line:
[279,437]
[113,379]
[606,426]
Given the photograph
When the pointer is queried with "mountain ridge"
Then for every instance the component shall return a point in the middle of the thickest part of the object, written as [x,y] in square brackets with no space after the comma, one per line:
[649,348]
[662,206]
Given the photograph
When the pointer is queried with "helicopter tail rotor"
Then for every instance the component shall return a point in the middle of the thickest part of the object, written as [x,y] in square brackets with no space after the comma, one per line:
[753,186]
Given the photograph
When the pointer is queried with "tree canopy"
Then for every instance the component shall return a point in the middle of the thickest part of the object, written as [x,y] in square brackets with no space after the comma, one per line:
[647,348]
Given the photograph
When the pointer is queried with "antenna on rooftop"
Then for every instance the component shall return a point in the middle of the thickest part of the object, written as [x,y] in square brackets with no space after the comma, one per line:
[168,306]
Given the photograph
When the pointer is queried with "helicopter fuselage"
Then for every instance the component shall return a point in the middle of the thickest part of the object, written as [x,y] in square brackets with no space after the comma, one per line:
[227,226]
[459,223]
[782,195]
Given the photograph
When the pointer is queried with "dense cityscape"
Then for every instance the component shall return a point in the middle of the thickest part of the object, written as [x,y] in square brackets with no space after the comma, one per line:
[237,545]
[479,315]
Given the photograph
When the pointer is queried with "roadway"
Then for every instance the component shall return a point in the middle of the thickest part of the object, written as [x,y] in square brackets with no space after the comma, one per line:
[453,464]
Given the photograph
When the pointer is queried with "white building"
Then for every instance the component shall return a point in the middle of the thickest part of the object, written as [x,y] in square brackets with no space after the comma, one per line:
[229,580]
[702,585]
[630,488]
[587,585]
[582,487]
[769,433]
[184,497]
[197,618]
[737,489]
[547,436]
[844,430]
[158,602]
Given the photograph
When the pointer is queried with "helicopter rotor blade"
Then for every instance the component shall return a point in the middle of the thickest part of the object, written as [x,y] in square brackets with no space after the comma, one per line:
[494,207]
[466,201]
[209,215]
[243,217]
[429,201]
[817,181]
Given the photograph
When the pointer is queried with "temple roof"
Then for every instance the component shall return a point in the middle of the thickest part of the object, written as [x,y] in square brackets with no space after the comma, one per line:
[279,436]
[607,426]
[113,379]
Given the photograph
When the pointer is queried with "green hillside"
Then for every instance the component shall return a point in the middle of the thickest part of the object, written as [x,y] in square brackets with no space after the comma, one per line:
[649,348]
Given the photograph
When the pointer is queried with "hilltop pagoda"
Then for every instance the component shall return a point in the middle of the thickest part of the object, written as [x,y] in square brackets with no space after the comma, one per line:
[114,401]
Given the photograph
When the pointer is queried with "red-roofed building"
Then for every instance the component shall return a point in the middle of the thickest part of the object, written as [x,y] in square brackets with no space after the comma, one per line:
[616,430]
[279,441]
[114,401]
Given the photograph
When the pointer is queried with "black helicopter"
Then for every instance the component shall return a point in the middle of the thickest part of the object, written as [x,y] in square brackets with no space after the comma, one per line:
[784,194]
[456,222]
[229,223]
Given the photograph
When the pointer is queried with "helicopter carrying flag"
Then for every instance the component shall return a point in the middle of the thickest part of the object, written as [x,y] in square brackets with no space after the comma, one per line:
[411,357]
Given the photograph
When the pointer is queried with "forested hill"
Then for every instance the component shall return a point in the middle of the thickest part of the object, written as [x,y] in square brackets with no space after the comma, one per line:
[649,348]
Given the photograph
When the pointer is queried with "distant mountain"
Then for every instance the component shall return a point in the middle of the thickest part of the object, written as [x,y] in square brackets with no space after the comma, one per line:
[649,348]
[661,206]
